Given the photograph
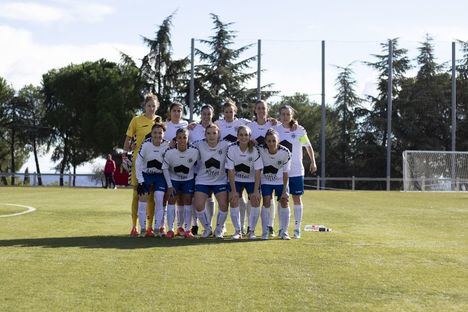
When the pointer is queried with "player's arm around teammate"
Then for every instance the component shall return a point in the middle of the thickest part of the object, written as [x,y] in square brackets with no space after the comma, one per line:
[180,164]
[211,179]
[295,141]
[275,178]
[244,166]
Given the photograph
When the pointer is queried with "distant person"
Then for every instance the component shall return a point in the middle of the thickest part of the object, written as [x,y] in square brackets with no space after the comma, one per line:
[109,170]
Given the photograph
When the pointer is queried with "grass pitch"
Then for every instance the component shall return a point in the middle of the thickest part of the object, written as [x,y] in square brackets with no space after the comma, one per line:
[388,251]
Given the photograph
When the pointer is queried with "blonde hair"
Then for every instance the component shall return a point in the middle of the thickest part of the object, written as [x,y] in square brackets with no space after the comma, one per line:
[251,144]
[230,103]
[152,97]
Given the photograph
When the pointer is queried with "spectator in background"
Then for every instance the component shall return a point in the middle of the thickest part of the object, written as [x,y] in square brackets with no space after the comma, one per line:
[109,170]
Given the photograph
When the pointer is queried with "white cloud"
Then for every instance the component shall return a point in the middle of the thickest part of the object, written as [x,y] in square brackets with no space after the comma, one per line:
[63,11]
[24,60]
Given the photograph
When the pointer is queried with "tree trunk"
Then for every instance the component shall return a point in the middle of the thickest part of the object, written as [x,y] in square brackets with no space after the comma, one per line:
[36,159]
[74,175]
[64,160]
[12,151]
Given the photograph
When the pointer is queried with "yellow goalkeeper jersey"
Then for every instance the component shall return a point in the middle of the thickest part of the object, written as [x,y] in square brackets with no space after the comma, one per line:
[140,129]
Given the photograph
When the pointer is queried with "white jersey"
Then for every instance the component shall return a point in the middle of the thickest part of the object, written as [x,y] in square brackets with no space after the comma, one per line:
[259,131]
[197,133]
[228,130]
[294,141]
[171,129]
[211,165]
[243,163]
[150,158]
[275,165]
[181,165]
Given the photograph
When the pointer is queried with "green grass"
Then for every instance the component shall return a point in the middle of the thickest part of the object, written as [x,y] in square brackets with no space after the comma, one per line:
[388,251]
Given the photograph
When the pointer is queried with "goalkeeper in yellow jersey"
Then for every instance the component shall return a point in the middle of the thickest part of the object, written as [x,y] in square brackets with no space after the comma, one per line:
[140,129]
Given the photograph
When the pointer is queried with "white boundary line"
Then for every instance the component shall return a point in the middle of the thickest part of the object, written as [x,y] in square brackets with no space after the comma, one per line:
[29,209]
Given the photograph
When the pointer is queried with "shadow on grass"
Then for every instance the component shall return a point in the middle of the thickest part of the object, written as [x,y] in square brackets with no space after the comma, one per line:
[115,242]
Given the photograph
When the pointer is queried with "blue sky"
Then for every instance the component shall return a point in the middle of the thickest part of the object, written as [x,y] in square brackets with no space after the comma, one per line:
[36,36]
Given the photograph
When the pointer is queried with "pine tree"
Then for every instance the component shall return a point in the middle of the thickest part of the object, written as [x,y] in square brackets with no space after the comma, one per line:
[346,101]
[164,76]
[222,75]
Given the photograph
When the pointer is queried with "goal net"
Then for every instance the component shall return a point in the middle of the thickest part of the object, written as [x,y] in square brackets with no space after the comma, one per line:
[435,171]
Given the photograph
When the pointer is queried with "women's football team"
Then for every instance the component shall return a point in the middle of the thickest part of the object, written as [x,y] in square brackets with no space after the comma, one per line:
[181,169]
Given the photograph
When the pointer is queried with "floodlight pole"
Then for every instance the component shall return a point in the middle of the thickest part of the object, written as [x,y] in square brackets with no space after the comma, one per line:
[454,118]
[192,79]
[454,100]
[389,111]
[323,134]
[259,69]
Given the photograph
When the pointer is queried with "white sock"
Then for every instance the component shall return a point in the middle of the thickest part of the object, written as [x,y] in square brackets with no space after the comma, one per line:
[203,216]
[265,219]
[271,221]
[209,206]
[254,212]
[180,215]
[158,210]
[235,218]
[248,208]
[194,216]
[142,215]
[188,217]
[221,220]
[242,210]
[170,217]
[298,209]
[284,215]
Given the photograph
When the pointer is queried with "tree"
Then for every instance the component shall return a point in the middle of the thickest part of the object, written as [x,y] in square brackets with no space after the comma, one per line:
[222,75]
[371,139]
[346,101]
[162,74]
[35,132]
[12,154]
[88,105]
[462,97]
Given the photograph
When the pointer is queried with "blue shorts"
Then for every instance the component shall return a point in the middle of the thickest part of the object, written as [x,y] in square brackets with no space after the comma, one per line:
[240,186]
[184,187]
[210,189]
[296,185]
[267,190]
[155,179]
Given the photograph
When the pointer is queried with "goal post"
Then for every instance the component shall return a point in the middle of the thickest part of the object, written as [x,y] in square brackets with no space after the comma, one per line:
[435,171]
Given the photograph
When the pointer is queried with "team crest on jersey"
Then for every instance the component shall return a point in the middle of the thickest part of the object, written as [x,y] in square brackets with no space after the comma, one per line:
[250,158]
[279,162]
[190,160]
[293,136]
[220,152]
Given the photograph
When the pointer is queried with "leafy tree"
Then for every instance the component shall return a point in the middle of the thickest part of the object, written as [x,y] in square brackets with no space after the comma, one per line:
[346,100]
[423,107]
[35,132]
[12,153]
[88,105]
[222,73]
[462,97]
[162,74]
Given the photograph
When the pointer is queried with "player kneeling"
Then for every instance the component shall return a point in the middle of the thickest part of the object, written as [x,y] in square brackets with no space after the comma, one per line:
[211,178]
[150,177]
[276,165]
